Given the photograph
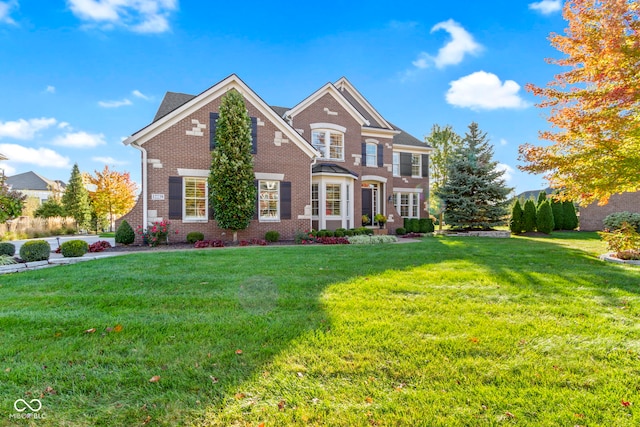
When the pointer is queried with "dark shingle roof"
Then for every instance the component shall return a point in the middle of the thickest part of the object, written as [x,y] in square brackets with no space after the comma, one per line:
[349,97]
[30,181]
[404,138]
[332,168]
[170,102]
[280,110]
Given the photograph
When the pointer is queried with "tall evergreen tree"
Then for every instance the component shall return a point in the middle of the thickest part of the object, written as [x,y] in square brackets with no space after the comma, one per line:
[558,215]
[76,199]
[232,192]
[544,218]
[529,216]
[475,193]
[542,196]
[517,218]
[570,217]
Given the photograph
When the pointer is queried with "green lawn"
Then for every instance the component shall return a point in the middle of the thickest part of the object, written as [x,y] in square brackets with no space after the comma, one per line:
[443,332]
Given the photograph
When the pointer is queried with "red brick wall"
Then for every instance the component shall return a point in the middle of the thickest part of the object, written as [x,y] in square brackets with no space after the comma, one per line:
[591,216]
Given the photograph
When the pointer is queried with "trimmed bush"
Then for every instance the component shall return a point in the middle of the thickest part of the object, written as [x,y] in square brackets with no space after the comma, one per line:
[615,220]
[516,225]
[272,236]
[426,225]
[74,248]
[339,233]
[558,215]
[529,216]
[125,234]
[571,218]
[194,236]
[7,248]
[400,231]
[35,250]
[372,240]
[544,218]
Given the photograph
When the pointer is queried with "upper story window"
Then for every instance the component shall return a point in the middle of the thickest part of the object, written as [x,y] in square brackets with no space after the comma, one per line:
[371,154]
[396,164]
[195,199]
[416,165]
[328,139]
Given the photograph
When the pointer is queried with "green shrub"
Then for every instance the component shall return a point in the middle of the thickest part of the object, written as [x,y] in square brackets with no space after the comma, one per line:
[557,208]
[195,236]
[570,216]
[516,225]
[125,234]
[349,233]
[426,225]
[339,233]
[372,240]
[35,250]
[400,231]
[529,216]
[7,260]
[7,248]
[74,248]
[622,239]
[406,225]
[615,220]
[414,225]
[544,218]
[272,236]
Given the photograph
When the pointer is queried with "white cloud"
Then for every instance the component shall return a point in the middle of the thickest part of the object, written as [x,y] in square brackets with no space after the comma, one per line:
[139,94]
[546,7]
[461,44]
[35,156]
[484,91]
[109,161]
[508,171]
[503,142]
[114,104]
[50,89]
[5,11]
[8,169]
[142,16]
[64,125]
[79,140]
[25,129]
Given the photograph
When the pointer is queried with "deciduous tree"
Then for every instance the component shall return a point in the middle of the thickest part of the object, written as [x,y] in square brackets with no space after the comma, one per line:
[112,194]
[594,106]
[11,202]
[232,192]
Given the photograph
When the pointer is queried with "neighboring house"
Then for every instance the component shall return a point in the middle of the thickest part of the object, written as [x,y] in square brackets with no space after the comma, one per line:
[33,185]
[591,216]
[321,164]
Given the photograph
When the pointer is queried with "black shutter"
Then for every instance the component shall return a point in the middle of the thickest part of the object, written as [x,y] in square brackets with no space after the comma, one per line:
[254,135]
[213,118]
[212,212]
[175,197]
[425,165]
[257,184]
[380,155]
[405,164]
[285,200]
[364,154]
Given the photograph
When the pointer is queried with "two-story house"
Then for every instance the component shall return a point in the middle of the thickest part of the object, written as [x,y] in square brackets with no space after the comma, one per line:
[321,164]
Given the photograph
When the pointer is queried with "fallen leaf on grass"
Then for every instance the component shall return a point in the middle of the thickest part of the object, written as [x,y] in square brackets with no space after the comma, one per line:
[8,370]
[300,375]
[154,379]
[214,379]
[239,396]
[147,420]
[238,351]
[509,415]
[281,405]
[474,340]
[368,400]
[49,390]
[625,403]
[90,331]
[261,425]
[117,328]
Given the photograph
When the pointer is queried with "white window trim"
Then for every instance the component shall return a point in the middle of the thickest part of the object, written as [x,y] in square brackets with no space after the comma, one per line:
[393,163]
[414,201]
[328,128]
[375,154]
[194,220]
[269,219]
[419,166]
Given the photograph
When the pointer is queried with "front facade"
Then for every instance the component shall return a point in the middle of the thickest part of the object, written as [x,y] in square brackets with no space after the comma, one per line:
[322,164]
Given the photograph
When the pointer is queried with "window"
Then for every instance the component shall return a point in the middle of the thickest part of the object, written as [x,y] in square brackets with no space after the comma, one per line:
[371,154]
[396,164]
[314,200]
[406,204]
[329,143]
[332,199]
[416,166]
[195,199]
[269,201]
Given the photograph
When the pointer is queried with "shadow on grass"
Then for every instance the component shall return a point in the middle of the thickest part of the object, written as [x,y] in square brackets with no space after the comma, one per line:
[206,321]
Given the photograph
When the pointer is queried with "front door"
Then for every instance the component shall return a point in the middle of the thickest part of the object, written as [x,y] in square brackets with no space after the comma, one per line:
[367,203]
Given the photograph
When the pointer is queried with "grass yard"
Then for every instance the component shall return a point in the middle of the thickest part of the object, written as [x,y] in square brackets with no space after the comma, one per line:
[444,332]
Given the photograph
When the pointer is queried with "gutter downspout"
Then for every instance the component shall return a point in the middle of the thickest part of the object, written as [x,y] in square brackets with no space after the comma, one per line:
[144,182]
[313,163]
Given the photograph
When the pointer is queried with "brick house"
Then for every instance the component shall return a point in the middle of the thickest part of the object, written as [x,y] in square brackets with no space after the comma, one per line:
[321,164]
[591,216]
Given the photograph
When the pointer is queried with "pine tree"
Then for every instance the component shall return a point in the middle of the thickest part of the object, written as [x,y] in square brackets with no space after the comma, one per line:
[570,217]
[76,199]
[542,196]
[232,192]
[529,216]
[517,218]
[475,194]
[558,215]
[544,218]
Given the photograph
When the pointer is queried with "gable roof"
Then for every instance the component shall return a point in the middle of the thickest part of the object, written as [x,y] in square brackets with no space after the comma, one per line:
[361,104]
[32,181]
[177,106]
[331,90]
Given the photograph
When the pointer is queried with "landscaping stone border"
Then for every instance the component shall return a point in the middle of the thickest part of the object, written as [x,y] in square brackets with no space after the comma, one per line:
[52,262]
[493,233]
[610,258]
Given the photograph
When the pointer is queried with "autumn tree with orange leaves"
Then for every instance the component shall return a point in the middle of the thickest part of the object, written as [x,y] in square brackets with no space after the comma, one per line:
[594,105]
[112,193]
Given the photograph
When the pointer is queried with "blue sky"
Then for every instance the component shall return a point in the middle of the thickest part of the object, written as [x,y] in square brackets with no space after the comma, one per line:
[78,76]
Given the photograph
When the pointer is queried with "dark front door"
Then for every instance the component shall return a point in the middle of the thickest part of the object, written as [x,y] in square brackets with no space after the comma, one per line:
[367,203]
